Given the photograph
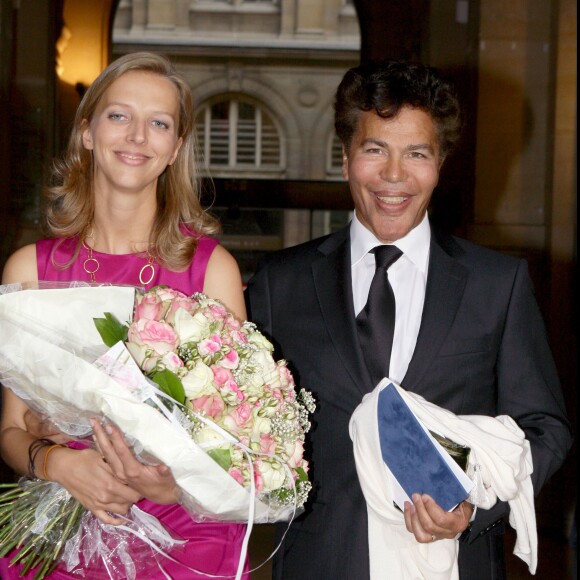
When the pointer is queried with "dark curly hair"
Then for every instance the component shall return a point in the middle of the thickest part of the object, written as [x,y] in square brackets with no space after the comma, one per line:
[386,86]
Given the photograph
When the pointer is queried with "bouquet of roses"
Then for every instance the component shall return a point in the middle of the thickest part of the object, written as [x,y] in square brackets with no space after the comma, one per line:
[199,392]
[219,369]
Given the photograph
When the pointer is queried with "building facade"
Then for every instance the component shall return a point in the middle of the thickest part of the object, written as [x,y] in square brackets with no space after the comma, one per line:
[263,75]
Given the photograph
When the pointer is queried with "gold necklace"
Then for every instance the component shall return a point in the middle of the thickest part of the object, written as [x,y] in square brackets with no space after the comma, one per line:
[91,265]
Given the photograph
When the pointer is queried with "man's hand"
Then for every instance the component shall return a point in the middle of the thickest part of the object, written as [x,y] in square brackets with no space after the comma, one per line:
[429,522]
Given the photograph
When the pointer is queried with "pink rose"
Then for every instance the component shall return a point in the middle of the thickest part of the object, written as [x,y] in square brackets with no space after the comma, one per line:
[210,345]
[276,394]
[221,375]
[295,452]
[218,311]
[242,413]
[238,336]
[212,405]
[149,307]
[267,443]
[236,419]
[168,294]
[258,479]
[186,303]
[233,324]
[159,336]
[236,473]
[286,378]
[231,392]
[230,360]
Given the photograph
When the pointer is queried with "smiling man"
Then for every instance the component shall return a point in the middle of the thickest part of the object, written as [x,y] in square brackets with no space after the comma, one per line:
[466,331]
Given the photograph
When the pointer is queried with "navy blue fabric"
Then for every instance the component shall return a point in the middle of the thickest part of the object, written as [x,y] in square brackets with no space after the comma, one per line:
[411,455]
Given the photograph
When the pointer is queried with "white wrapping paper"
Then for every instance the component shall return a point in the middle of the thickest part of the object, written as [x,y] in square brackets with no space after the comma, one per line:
[47,344]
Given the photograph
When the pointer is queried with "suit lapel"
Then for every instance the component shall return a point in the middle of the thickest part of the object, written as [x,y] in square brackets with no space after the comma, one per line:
[445,286]
[332,279]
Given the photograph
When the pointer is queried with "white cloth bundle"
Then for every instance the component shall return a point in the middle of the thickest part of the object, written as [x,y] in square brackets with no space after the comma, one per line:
[500,461]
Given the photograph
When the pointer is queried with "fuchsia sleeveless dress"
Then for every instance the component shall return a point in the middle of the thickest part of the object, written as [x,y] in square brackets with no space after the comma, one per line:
[212,547]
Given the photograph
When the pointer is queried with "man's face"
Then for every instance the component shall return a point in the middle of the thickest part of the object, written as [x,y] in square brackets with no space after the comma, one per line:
[392,167]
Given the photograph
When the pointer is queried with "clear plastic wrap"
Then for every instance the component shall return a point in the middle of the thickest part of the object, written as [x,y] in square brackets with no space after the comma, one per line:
[52,528]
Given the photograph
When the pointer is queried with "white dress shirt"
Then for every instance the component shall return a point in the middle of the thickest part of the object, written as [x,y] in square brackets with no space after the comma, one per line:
[408,277]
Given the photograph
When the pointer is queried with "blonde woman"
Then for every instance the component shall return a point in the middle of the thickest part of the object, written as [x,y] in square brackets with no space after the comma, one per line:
[123,207]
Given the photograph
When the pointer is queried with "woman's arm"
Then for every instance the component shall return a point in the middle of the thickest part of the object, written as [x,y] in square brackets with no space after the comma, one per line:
[21,266]
[82,472]
[223,282]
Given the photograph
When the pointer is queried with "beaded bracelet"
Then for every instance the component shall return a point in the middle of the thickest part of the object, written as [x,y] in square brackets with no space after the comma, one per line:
[48,452]
[33,451]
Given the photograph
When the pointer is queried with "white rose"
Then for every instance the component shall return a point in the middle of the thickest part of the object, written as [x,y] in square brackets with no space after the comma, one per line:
[138,352]
[191,328]
[266,367]
[260,341]
[142,355]
[198,381]
[254,384]
[261,424]
[209,438]
[273,475]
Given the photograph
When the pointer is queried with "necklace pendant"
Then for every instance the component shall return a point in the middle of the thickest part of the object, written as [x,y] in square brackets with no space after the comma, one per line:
[91,266]
[147,270]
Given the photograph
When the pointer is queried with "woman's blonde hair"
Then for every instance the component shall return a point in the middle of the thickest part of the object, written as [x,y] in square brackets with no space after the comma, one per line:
[69,200]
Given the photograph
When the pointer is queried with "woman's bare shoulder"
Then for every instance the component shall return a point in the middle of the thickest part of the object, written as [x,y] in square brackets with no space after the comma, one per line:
[21,266]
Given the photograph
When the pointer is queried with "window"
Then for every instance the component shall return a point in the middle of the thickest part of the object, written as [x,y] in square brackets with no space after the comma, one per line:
[235,133]
[240,2]
[334,155]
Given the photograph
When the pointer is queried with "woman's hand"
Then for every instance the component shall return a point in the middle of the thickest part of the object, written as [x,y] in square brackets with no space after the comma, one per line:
[92,482]
[429,522]
[155,482]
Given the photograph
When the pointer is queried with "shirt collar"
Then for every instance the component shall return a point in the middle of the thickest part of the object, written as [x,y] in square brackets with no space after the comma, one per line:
[415,245]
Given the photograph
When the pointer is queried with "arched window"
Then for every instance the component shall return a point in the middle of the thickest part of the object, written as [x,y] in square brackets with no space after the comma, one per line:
[240,2]
[237,134]
[333,156]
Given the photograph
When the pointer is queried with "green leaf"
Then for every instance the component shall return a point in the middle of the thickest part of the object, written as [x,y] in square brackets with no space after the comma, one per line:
[110,329]
[302,475]
[170,384]
[221,457]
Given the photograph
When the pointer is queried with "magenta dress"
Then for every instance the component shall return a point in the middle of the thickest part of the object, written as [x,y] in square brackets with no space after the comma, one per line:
[212,547]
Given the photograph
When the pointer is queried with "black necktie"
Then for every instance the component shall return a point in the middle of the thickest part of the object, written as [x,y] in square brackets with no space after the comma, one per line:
[376,321]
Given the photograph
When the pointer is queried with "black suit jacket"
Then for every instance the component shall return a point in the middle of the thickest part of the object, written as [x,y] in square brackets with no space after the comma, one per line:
[481,349]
